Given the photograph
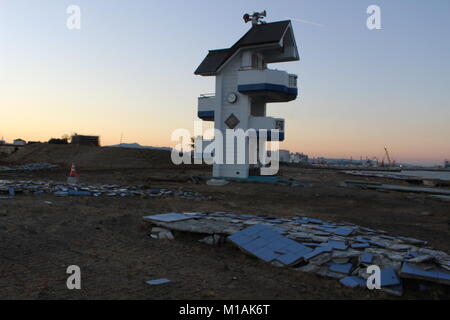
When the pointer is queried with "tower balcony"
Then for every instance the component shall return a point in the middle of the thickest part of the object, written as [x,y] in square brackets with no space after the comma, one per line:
[270,85]
[206,106]
[268,123]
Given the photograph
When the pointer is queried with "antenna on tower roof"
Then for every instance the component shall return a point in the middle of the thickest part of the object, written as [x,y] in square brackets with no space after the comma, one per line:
[255,18]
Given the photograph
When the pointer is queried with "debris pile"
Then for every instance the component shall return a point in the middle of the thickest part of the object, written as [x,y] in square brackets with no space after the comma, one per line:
[111,190]
[343,251]
[29,167]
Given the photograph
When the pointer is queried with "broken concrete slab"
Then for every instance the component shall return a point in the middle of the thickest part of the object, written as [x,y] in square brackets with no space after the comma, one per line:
[338,245]
[269,239]
[169,217]
[162,234]
[324,271]
[366,258]
[389,278]
[416,272]
[360,245]
[79,193]
[378,243]
[353,282]
[158,281]
[340,260]
[412,241]
[344,268]
[321,259]
[421,259]
[399,247]
[350,253]
[202,226]
[317,251]
[390,282]
[214,239]
[267,244]
[341,231]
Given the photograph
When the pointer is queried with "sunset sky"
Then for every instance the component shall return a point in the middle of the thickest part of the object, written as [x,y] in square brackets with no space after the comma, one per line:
[130,70]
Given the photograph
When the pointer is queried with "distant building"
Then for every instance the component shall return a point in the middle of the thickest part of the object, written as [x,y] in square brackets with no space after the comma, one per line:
[8,148]
[2,142]
[447,164]
[299,157]
[19,142]
[58,141]
[284,156]
[86,140]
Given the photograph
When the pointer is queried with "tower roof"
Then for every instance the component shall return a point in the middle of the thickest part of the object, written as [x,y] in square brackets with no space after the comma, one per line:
[259,34]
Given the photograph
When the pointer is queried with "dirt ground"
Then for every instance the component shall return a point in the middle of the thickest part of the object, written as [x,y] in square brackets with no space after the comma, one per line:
[107,238]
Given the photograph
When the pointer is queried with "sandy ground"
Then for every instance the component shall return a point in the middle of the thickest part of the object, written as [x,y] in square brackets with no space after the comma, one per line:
[107,238]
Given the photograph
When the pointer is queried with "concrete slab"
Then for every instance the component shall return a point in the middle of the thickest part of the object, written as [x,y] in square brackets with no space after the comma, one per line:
[411,271]
[389,277]
[353,282]
[344,268]
[338,245]
[158,281]
[317,251]
[169,217]
[366,258]
[268,244]
[360,245]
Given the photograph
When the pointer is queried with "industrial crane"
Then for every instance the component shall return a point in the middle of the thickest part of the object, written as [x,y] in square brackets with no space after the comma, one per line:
[390,162]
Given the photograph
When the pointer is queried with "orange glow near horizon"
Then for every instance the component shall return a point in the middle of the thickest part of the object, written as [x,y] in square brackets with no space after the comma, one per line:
[37,114]
[157,133]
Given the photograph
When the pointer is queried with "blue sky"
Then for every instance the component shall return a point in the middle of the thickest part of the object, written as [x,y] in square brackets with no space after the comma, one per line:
[130,70]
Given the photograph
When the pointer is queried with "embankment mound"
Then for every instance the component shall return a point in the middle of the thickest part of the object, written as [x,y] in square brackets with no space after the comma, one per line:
[89,157]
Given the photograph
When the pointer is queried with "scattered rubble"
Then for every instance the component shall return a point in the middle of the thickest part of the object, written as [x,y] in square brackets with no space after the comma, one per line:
[342,251]
[161,233]
[112,190]
[214,239]
[29,167]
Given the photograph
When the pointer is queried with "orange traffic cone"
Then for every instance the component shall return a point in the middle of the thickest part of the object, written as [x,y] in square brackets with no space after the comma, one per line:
[73,176]
[73,171]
